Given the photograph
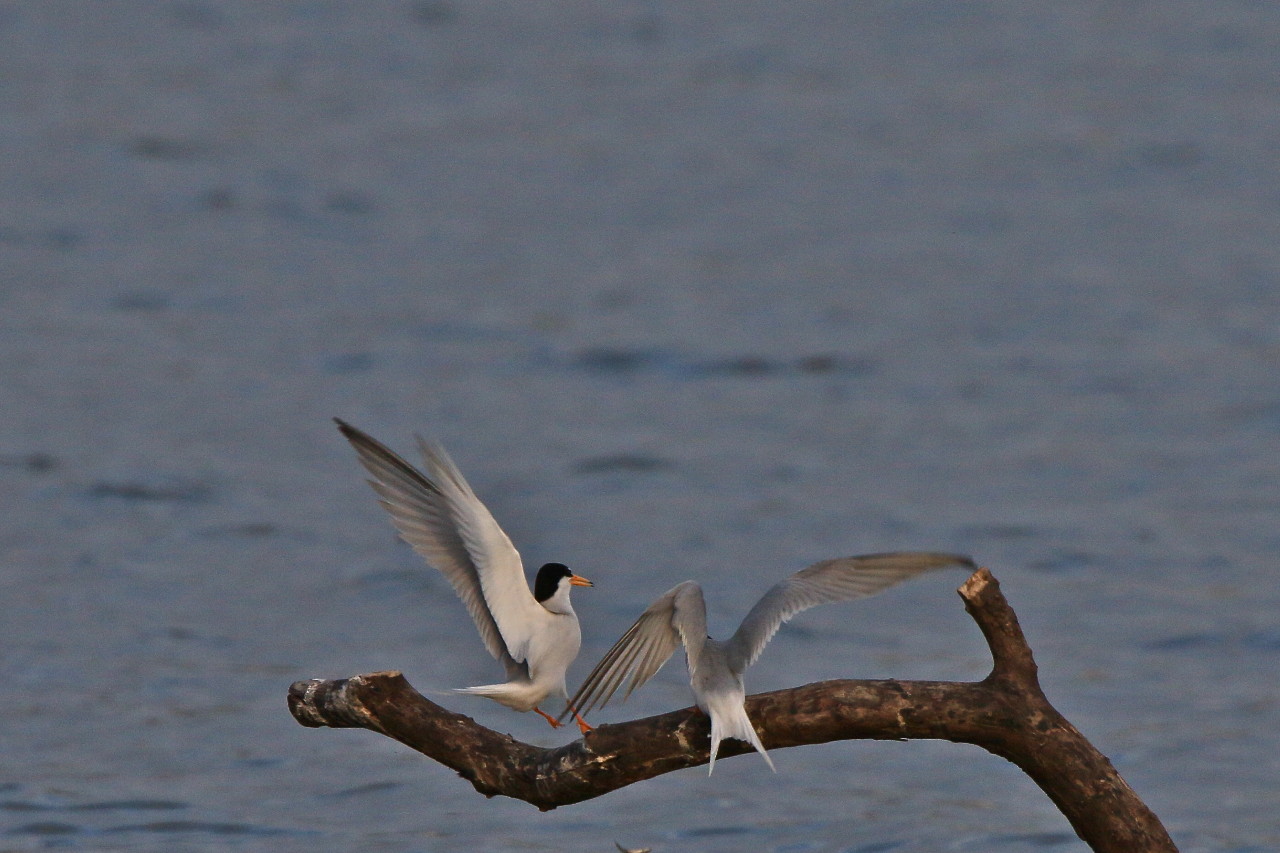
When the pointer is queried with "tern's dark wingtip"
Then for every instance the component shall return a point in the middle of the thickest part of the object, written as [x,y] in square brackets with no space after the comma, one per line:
[350,433]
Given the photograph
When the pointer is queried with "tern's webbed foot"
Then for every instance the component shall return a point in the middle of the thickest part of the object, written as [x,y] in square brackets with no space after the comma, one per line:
[550,719]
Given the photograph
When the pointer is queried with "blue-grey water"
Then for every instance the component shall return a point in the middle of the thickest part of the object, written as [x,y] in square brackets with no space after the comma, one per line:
[689,290]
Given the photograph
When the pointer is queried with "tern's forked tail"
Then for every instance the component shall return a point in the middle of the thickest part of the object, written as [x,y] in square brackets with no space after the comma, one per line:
[732,721]
[516,695]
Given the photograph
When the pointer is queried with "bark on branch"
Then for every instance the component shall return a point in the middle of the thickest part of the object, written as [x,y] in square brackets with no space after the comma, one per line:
[1006,713]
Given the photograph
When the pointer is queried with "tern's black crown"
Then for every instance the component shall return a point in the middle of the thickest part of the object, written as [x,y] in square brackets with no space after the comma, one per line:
[548,580]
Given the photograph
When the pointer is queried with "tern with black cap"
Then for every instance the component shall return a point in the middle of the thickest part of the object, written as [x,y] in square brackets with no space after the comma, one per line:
[534,634]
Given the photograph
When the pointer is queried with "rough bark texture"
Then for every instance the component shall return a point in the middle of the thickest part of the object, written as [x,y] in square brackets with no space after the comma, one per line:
[1006,713]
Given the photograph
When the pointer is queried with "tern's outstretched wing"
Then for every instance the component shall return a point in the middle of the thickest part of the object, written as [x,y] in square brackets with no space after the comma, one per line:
[679,616]
[842,579]
[441,517]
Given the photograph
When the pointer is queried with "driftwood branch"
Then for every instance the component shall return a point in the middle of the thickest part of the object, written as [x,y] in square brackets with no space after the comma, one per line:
[1006,713]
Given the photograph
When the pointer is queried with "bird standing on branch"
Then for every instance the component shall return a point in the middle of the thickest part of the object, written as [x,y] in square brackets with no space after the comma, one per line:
[534,634]
[715,668]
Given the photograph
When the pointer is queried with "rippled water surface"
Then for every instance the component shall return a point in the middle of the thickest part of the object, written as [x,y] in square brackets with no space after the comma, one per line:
[708,291]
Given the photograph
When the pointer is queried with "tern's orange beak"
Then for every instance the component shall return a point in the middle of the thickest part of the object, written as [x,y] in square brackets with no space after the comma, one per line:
[577,580]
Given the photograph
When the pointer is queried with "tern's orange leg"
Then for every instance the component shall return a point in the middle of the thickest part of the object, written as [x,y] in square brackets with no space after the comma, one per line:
[582,724]
[550,719]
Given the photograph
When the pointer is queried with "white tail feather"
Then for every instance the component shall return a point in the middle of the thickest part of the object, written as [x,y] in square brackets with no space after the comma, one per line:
[484,690]
[733,722]
[516,695]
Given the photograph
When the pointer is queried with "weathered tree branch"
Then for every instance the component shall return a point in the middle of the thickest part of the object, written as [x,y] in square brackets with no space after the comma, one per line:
[1006,713]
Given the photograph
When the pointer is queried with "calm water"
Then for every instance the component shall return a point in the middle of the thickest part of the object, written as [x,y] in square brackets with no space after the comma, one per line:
[689,291]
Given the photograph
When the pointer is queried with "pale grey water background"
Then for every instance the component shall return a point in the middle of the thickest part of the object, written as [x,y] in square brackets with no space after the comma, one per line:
[704,291]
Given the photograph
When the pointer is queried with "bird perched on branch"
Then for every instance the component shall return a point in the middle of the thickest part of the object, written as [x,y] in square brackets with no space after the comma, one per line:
[715,667]
[534,634]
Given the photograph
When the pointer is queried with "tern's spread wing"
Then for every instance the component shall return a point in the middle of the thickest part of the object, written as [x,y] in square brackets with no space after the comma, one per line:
[441,517]
[843,579]
[506,590]
[678,616]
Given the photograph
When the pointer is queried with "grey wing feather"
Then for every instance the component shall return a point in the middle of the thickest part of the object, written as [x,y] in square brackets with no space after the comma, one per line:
[679,615]
[496,561]
[422,514]
[842,579]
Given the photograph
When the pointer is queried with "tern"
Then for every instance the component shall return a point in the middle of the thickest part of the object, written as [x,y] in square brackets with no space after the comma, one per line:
[534,634]
[715,668]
